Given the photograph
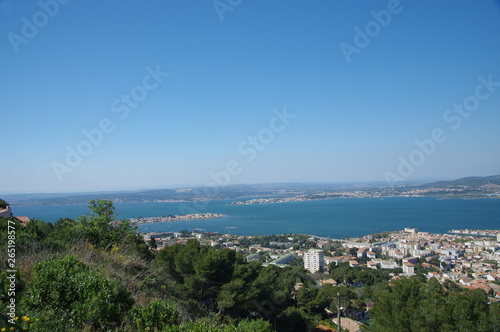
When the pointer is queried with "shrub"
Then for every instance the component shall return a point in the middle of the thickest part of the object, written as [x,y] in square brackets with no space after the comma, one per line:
[69,292]
[155,316]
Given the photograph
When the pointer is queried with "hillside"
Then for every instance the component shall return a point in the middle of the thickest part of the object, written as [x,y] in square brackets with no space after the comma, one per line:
[471,181]
[98,274]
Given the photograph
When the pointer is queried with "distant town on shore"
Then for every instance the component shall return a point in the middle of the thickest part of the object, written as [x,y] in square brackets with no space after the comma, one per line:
[464,188]
[180,217]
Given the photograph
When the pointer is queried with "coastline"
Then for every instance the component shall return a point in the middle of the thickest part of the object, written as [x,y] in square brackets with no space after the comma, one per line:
[171,218]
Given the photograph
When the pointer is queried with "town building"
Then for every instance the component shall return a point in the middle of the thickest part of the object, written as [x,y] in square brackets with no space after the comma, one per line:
[283,261]
[408,268]
[314,260]
[6,213]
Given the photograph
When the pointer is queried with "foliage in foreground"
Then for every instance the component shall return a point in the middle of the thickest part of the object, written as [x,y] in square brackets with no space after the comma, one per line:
[68,290]
[409,304]
[96,274]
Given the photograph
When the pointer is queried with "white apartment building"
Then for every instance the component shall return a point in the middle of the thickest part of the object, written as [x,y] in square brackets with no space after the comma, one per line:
[314,260]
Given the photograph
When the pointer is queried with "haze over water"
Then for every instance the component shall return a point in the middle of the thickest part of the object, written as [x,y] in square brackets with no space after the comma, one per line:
[335,218]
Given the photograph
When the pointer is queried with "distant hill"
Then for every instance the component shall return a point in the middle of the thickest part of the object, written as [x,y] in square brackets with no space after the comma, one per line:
[469,187]
[471,181]
[157,195]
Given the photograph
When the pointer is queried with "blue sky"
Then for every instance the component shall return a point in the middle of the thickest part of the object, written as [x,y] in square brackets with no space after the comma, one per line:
[232,67]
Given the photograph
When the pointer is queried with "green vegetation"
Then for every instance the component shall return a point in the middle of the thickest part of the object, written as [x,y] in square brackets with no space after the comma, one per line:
[157,315]
[67,289]
[415,305]
[3,204]
[344,274]
[97,274]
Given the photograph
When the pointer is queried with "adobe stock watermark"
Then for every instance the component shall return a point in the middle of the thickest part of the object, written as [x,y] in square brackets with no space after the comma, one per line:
[30,27]
[95,136]
[249,150]
[454,116]
[11,271]
[363,37]
[223,6]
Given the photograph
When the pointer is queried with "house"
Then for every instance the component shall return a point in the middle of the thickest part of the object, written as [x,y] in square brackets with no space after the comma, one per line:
[283,260]
[322,328]
[280,244]
[388,264]
[197,235]
[362,252]
[338,260]
[349,324]
[372,265]
[23,220]
[253,257]
[329,260]
[412,260]
[371,255]
[329,281]
[480,285]
[426,266]
[408,268]
[6,213]
[353,263]
[399,255]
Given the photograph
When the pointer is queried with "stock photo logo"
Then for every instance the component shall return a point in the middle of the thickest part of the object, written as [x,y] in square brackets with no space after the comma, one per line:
[364,36]
[249,148]
[453,116]
[121,106]
[223,6]
[31,26]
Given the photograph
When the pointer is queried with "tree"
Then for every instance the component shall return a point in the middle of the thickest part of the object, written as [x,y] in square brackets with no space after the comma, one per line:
[307,299]
[3,204]
[152,243]
[292,320]
[495,316]
[255,325]
[412,305]
[102,209]
[239,297]
[101,228]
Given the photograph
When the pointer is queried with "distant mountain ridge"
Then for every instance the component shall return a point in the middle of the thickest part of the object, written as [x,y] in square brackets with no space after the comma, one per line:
[470,181]
[468,187]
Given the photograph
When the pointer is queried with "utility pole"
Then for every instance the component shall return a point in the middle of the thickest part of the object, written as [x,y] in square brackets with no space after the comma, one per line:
[229,230]
[337,304]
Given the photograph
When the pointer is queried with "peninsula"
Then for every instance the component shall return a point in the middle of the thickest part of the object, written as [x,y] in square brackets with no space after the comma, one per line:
[179,217]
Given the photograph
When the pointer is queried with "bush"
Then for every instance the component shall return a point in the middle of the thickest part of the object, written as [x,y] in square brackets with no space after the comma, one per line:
[155,316]
[256,325]
[68,292]
[200,326]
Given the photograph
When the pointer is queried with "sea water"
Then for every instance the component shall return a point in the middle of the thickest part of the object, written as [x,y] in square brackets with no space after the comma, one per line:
[334,218]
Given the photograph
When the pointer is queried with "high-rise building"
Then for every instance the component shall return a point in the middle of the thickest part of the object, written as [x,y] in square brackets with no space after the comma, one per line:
[314,260]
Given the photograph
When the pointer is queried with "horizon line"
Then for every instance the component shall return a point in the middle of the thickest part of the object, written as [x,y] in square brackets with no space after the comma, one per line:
[189,186]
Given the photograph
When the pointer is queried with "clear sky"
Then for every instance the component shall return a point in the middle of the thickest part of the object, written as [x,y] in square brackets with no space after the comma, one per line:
[170,92]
